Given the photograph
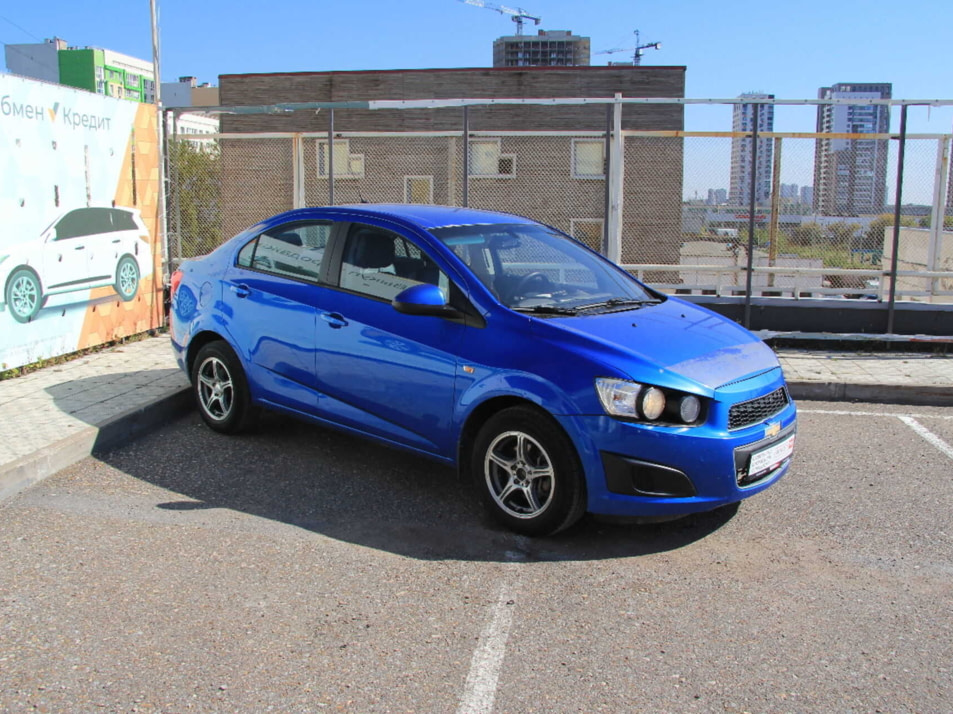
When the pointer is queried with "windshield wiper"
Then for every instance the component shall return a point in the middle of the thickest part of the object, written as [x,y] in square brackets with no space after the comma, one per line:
[547,310]
[623,303]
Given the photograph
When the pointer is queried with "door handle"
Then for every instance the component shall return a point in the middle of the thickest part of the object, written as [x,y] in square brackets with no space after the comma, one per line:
[117,241]
[80,247]
[241,291]
[334,320]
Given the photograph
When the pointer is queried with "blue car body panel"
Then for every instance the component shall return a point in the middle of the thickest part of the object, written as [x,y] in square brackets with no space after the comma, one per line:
[340,358]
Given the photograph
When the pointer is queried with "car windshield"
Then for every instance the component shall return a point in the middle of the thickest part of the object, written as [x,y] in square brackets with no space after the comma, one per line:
[532,268]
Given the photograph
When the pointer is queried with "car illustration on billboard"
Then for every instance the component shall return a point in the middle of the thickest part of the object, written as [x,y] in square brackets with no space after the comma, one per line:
[82,249]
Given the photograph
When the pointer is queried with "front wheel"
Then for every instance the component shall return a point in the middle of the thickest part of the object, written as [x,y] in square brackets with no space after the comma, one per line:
[528,473]
[127,278]
[24,295]
[221,389]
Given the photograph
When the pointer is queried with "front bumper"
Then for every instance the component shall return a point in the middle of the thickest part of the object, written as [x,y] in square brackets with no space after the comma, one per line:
[635,469]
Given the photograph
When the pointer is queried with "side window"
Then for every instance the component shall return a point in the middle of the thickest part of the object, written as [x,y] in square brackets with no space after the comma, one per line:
[382,264]
[83,222]
[294,251]
[123,220]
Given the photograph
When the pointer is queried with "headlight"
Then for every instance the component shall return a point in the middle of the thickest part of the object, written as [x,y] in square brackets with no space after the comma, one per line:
[651,403]
[631,400]
[3,258]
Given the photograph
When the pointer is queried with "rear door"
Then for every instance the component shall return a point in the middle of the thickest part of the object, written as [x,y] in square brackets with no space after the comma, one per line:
[273,292]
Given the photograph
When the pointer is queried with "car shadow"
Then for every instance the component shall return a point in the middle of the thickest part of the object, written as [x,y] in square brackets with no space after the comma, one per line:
[355,491]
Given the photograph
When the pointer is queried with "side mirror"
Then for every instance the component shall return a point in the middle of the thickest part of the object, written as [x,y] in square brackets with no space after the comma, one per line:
[424,299]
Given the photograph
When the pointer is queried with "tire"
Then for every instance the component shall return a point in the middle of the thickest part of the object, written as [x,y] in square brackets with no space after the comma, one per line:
[221,389]
[528,473]
[24,295]
[127,278]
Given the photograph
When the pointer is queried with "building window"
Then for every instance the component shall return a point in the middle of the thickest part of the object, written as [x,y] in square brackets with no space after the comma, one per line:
[588,231]
[487,161]
[418,189]
[346,164]
[588,159]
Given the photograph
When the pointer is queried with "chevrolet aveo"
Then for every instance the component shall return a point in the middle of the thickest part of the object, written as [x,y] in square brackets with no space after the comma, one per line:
[492,343]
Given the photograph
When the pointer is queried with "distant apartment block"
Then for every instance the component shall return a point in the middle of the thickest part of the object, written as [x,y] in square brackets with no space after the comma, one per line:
[187,92]
[96,70]
[743,120]
[850,175]
[717,197]
[549,48]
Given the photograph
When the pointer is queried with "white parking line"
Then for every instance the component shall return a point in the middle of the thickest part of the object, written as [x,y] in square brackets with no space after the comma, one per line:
[480,690]
[928,435]
[482,681]
[845,412]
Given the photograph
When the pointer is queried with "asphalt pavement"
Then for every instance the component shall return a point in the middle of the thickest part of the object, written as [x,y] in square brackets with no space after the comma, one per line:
[297,569]
[60,414]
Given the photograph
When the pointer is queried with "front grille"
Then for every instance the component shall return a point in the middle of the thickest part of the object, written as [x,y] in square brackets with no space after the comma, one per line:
[754,410]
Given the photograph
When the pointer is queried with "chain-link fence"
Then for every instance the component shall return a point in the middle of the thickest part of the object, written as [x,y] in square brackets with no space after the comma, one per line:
[818,217]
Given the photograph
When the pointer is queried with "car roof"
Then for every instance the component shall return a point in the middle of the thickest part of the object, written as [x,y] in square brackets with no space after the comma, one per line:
[421,215]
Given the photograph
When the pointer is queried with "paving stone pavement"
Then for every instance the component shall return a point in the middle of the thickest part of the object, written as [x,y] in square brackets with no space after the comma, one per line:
[56,416]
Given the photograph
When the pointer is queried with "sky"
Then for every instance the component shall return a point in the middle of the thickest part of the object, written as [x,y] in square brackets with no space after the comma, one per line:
[787,49]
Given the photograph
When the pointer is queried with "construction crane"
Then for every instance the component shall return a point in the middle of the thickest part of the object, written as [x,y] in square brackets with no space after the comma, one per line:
[518,15]
[636,51]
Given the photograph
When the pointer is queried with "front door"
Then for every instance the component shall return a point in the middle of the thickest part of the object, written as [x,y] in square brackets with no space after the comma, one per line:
[380,371]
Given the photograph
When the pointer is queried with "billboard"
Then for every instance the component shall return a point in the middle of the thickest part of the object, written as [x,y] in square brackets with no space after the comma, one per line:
[79,252]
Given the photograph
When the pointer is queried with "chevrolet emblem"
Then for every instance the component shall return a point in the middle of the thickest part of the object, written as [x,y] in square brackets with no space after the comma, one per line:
[772,429]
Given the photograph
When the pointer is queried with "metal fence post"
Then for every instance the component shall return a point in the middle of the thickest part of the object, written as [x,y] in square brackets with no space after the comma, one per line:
[615,177]
[775,210]
[894,259]
[297,171]
[331,157]
[938,214]
[607,204]
[466,157]
[751,206]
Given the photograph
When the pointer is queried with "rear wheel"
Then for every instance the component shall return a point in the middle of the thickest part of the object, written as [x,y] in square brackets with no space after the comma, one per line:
[221,389]
[528,472]
[127,278]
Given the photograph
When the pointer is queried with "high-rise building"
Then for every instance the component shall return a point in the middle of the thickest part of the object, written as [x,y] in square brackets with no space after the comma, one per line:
[743,120]
[807,195]
[850,175]
[549,48]
[96,70]
[717,197]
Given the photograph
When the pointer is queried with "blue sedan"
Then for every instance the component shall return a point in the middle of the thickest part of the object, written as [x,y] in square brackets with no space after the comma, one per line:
[548,375]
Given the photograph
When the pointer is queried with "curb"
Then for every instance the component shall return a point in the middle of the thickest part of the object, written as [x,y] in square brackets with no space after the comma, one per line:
[909,394]
[94,439]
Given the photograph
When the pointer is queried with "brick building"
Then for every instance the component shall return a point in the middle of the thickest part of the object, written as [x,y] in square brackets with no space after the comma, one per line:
[547,162]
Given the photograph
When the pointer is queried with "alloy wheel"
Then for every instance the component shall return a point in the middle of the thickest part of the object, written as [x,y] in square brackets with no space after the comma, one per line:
[215,388]
[519,474]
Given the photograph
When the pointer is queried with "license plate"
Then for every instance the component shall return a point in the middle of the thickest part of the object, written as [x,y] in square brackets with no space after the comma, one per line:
[767,459]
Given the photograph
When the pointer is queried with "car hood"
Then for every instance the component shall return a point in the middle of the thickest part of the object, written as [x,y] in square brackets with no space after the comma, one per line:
[672,341]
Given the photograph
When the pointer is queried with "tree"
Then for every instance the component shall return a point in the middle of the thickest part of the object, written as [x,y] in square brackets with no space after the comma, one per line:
[874,237]
[194,212]
[841,233]
[807,234]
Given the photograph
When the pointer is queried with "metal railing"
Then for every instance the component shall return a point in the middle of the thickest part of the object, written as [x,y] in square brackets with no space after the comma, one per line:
[881,229]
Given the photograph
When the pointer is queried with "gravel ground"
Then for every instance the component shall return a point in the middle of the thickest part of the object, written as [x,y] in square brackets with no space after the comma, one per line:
[299,570]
